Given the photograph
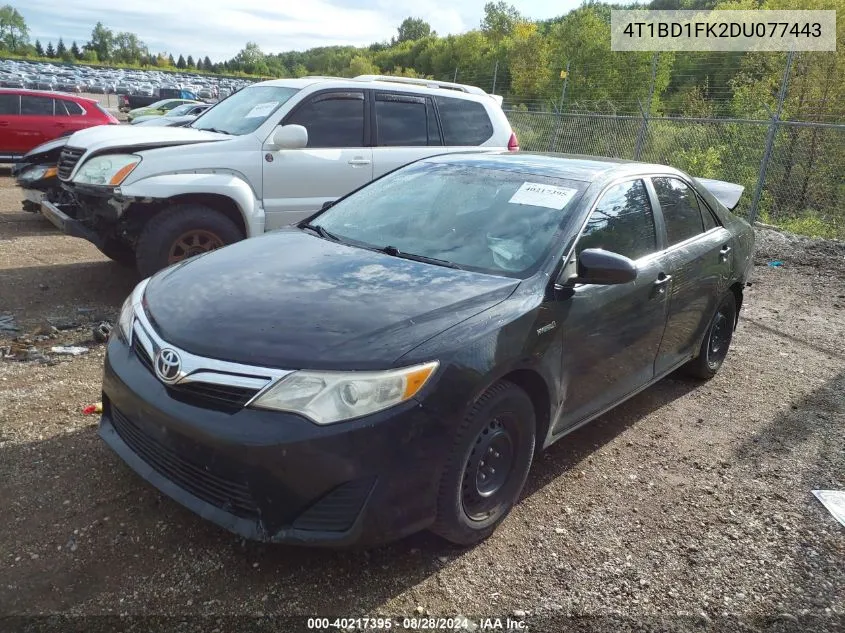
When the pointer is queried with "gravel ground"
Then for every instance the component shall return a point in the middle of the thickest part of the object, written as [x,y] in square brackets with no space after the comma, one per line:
[687,508]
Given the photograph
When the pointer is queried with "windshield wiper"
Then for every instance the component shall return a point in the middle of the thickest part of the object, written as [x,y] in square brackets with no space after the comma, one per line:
[395,252]
[322,232]
[214,129]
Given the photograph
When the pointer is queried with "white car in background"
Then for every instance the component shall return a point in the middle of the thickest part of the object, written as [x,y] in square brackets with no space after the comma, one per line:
[179,115]
[270,155]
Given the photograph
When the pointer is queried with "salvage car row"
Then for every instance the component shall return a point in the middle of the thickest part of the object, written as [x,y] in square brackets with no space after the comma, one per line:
[419,310]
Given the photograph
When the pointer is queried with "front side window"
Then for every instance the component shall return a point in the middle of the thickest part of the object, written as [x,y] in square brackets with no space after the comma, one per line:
[480,218]
[332,119]
[622,222]
[680,209]
[36,106]
[464,122]
[244,111]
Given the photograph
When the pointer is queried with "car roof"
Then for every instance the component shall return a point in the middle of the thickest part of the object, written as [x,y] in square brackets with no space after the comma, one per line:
[555,165]
[45,93]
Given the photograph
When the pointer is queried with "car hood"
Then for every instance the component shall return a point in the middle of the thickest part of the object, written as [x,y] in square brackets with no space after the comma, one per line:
[103,137]
[292,300]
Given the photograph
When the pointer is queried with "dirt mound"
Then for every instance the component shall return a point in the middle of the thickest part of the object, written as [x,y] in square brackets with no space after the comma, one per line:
[773,244]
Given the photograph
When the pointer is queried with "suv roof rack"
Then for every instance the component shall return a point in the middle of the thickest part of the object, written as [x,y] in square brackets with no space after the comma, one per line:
[428,83]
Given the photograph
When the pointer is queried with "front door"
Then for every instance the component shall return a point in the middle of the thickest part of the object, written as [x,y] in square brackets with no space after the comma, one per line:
[336,161]
[698,247]
[611,334]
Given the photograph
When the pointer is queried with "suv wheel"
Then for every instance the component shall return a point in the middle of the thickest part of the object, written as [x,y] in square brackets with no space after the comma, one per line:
[180,232]
[488,465]
[119,252]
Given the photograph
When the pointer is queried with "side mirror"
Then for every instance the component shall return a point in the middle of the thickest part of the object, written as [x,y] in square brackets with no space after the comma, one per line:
[597,266]
[290,137]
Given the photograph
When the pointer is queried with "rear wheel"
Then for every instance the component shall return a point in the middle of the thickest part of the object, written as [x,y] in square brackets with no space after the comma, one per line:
[488,465]
[181,232]
[717,341]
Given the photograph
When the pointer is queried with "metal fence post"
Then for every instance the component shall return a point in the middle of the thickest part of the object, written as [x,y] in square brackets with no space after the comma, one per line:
[553,144]
[770,140]
[495,74]
[638,148]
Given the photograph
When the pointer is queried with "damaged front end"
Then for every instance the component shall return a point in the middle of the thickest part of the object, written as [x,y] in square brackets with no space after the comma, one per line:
[37,175]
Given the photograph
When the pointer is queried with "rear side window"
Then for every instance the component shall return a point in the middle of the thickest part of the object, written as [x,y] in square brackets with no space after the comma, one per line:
[707,215]
[403,121]
[10,104]
[464,122]
[622,222]
[68,108]
[681,212]
[36,106]
[333,120]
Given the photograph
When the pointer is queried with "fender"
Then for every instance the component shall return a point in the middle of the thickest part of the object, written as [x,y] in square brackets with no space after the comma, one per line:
[224,184]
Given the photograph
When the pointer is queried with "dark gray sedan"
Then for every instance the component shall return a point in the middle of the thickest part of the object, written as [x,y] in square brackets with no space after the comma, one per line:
[391,363]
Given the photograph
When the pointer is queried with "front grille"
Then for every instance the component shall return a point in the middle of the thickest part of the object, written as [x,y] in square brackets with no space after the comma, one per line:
[336,511]
[212,396]
[67,161]
[142,354]
[231,496]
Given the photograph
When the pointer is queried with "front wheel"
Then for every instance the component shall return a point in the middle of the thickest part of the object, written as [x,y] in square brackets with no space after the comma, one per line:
[180,232]
[717,341]
[488,465]
[118,251]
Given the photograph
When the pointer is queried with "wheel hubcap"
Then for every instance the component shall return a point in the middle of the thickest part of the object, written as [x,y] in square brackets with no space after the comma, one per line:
[487,470]
[193,243]
[720,338]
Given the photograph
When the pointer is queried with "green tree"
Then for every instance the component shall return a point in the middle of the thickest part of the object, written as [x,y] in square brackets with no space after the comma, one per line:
[190,62]
[14,33]
[170,60]
[500,18]
[181,63]
[251,60]
[39,50]
[128,49]
[61,49]
[102,42]
[74,50]
[50,52]
[207,64]
[413,29]
[360,65]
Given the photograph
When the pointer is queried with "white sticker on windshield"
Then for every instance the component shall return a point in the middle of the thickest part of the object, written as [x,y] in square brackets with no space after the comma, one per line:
[261,110]
[538,195]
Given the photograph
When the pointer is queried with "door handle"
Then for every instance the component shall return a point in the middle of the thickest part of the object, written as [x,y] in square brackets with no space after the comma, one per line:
[4,124]
[359,161]
[662,279]
[723,253]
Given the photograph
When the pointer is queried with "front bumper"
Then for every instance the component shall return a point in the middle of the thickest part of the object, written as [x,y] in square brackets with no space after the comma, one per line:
[273,476]
[68,225]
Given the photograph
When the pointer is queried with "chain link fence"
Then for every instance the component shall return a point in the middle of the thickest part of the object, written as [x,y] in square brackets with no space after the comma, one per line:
[800,177]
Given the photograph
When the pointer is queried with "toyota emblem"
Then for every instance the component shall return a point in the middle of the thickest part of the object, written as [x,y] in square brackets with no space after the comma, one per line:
[168,365]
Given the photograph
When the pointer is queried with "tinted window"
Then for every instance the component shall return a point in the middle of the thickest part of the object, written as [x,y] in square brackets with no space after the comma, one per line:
[464,122]
[680,209]
[9,104]
[707,216]
[68,108]
[433,127]
[622,222]
[401,121]
[335,120]
[41,106]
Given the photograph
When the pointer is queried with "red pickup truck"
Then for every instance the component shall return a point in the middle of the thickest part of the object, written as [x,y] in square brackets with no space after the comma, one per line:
[31,117]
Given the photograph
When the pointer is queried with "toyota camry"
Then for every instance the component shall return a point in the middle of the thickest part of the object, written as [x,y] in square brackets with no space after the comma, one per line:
[395,362]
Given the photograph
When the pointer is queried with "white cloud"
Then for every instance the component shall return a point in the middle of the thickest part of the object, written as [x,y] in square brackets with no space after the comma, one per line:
[220,28]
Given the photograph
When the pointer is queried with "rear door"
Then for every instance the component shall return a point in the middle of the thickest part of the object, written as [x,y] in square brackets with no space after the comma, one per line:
[70,116]
[611,334]
[337,160]
[10,109]
[36,123]
[698,247]
[405,129]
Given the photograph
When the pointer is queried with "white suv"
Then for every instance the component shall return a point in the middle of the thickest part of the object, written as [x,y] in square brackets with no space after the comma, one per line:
[267,156]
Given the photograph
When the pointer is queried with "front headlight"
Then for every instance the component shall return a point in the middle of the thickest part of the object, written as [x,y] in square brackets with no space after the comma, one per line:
[36,173]
[127,316]
[326,397]
[109,170]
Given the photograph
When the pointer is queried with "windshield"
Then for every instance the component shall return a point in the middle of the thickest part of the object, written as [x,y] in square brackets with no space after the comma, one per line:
[245,110]
[476,217]
[182,109]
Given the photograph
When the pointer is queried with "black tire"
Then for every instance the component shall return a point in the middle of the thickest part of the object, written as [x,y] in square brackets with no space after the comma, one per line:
[158,244]
[466,516]
[717,341]
[118,252]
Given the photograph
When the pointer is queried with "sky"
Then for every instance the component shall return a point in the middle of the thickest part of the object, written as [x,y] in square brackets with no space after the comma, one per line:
[220,28]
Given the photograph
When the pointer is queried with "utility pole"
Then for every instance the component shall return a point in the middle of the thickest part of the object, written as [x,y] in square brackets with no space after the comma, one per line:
[495,73]
[565,74]
[646,112]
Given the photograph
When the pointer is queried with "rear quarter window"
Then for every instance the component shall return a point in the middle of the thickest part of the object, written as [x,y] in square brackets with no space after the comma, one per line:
[464,122]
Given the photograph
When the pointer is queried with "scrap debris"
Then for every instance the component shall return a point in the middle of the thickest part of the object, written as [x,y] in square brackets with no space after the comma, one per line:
[91,409]
[69,350]
[834,501]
